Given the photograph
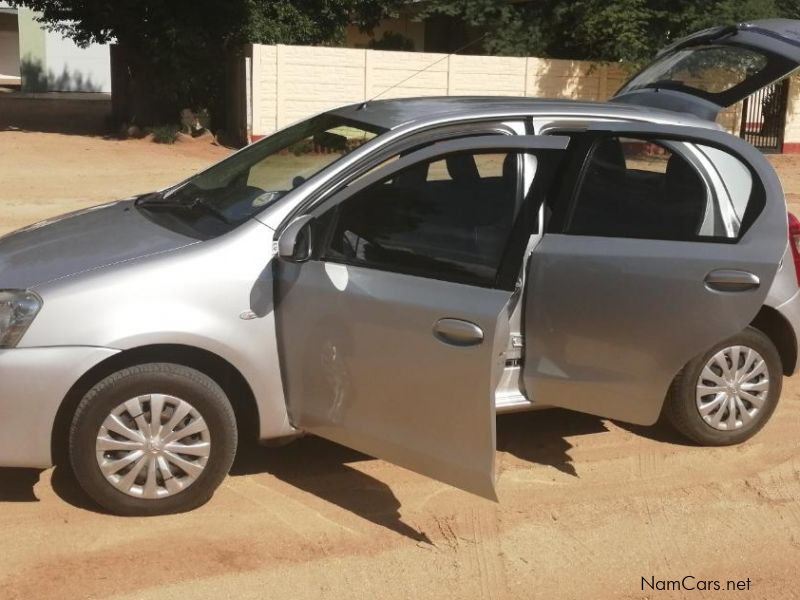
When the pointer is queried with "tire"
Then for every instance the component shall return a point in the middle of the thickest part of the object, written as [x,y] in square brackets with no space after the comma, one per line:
[160,486]
[684,400]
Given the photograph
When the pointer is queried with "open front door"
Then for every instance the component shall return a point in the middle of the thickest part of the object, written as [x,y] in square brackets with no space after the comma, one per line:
[716,68]
[668,246]
[393,330]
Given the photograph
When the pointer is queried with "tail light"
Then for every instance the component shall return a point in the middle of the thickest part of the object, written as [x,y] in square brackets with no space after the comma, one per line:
[794,242]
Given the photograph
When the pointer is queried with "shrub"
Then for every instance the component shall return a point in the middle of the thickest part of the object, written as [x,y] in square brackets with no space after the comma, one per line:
[165,134]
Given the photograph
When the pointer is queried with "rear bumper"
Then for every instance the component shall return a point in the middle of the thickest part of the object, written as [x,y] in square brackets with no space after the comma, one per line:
[790,310]
[33,383]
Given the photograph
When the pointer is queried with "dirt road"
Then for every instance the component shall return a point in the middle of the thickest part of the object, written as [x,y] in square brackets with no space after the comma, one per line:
[46,174]
[587,507]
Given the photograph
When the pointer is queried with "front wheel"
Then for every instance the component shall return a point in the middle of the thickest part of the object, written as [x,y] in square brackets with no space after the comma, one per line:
[728,394]
[153,439]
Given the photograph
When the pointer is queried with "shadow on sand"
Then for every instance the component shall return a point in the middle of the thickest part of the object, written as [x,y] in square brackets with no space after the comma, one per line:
[322,468]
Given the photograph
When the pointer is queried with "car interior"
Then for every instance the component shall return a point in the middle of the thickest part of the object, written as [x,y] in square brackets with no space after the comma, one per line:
[460,222]
[616,199]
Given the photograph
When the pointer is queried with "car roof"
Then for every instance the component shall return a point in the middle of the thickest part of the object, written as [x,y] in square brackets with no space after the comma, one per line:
[391,114]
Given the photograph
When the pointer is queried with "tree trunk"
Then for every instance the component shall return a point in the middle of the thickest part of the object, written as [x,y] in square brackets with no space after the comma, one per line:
[138,95]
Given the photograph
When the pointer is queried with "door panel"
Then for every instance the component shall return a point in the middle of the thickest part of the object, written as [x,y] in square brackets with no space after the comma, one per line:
[364,367]
[609,321]
[392,336]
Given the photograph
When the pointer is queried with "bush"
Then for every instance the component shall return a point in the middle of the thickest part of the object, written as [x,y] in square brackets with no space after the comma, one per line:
[165,134]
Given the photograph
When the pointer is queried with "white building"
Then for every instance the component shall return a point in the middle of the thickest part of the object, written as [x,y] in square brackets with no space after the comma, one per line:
[33,59]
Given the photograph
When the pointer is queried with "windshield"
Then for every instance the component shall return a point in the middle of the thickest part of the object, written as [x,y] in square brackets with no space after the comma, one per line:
[234,190]
[711,70]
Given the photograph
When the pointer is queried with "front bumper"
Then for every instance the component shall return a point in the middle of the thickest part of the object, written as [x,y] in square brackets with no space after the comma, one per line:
[33,383]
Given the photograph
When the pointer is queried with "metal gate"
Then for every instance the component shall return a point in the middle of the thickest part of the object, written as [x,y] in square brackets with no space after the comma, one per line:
[764,117]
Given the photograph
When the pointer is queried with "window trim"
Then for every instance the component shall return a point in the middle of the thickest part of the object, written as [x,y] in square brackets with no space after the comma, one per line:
[451,274]
[473,145]
[423,137]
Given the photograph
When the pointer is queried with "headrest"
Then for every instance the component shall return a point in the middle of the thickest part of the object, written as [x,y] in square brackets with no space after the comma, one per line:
[680,173]
[608,154]
[462,168]
[413,176]
[510,166]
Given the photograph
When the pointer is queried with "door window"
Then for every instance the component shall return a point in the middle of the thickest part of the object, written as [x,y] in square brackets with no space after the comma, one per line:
[447,218]
[667,190]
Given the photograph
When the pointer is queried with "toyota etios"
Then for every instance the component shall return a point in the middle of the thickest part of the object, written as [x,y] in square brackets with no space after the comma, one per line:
[391,275]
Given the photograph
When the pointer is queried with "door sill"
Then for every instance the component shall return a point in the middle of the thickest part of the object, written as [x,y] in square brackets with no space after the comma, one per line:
[509,403]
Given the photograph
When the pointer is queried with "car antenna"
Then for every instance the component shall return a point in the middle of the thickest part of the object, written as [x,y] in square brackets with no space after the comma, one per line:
[434,63]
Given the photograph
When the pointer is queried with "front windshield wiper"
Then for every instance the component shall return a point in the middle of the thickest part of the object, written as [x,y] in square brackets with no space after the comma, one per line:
[212,210]
[147,198]
[157,201]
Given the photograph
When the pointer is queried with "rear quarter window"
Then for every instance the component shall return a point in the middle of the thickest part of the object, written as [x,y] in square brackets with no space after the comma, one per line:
[735,177]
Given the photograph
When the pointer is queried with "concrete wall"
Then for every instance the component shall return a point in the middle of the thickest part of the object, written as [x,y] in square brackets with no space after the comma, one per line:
[76,113]
[791,142]
[48,62]
[288,83]
[9,56]
[31,49]
[9,49]
[74,69]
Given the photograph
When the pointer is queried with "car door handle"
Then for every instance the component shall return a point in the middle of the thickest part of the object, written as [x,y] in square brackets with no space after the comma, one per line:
[457,332]
[731,280]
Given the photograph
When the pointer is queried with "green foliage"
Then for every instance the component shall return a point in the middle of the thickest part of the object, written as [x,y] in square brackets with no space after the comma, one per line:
[612,30]
[392,41]
[789,8]
[180,46]
[511,29]
[165,134]
[142,23]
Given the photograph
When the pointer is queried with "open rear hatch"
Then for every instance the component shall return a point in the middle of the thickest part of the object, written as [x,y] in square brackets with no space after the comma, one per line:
[716,68]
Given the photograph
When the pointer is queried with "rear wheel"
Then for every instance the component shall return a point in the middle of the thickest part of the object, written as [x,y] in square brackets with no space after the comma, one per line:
[153,439]
[728,394]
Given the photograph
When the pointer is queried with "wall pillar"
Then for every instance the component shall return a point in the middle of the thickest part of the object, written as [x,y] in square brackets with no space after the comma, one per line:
[791,136]
[32,52]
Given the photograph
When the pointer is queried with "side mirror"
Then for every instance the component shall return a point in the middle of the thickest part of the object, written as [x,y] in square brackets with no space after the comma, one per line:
[294,243]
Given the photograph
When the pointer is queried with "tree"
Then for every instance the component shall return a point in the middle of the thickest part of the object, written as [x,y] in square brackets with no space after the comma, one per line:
[789,8]
[177,48]
[612,30]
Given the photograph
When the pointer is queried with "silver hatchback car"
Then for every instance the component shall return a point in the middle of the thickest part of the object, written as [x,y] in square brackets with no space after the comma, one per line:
[391,275]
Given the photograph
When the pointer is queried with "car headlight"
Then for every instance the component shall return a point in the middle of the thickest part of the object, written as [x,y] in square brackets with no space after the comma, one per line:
[17,311]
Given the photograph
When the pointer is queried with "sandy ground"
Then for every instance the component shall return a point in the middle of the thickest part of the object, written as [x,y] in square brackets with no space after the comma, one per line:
[46,174]
[587,507]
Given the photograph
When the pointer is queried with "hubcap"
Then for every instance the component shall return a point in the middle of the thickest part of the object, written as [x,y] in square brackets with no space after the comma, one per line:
[153,446]
[732,388]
